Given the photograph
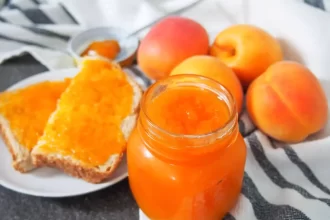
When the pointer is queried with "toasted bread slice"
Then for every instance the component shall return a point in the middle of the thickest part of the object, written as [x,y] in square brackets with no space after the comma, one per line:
[87,134]
[23,115]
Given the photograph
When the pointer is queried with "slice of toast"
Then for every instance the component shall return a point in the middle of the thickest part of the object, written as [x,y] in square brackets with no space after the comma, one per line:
[86,136]
[23,115]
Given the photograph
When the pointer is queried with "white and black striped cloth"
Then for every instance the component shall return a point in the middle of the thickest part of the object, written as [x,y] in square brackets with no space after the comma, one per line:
[280,182]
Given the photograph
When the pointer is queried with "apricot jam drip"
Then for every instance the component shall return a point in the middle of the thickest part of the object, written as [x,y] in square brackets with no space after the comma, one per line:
[190,111]
[27,110]
[87,123]
[107,49]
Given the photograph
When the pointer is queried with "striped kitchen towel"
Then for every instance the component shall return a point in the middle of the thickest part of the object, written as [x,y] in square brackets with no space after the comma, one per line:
[280,181]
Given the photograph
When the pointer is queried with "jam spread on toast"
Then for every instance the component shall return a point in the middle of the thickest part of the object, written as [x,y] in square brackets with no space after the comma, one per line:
[27,110]
[87,123]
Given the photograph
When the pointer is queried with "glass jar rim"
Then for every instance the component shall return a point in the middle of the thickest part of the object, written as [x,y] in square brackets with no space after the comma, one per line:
[197,80]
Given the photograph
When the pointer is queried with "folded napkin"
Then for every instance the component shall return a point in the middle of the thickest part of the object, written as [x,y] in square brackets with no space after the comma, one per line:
[280,181]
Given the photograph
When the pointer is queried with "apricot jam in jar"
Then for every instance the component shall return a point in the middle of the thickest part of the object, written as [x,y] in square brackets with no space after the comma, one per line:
[186,156]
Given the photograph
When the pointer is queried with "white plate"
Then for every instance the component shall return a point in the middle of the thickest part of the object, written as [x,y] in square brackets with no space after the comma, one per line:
[48,182]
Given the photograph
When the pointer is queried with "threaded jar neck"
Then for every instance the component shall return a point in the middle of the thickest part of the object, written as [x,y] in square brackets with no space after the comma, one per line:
[168,142]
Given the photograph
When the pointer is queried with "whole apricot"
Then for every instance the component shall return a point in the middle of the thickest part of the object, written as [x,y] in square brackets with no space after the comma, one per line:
[213,68]
[287,102]
[170,42]
[247,49]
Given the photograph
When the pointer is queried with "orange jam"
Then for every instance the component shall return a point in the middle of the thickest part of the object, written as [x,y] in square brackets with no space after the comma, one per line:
[27,110]
[188,111]
[186,157]
[86,125]
[107,48]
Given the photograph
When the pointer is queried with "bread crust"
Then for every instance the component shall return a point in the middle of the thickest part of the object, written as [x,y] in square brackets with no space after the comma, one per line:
[22,164]
[89,174]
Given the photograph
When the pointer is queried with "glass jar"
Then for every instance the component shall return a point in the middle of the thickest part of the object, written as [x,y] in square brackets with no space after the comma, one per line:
[192,175]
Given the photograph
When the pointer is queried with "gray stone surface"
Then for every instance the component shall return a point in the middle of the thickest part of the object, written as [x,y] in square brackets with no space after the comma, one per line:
[115,202]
